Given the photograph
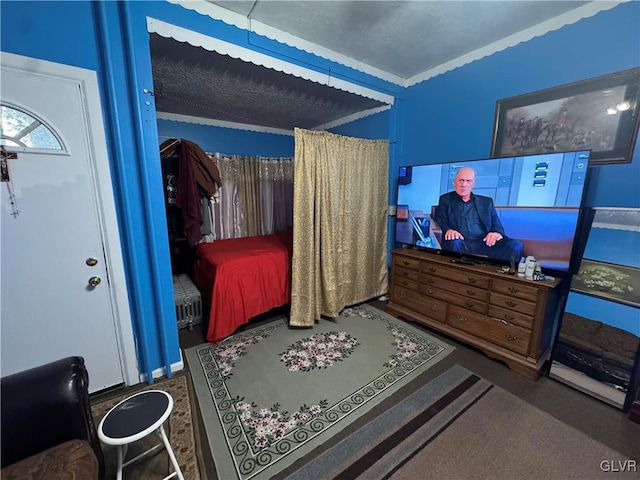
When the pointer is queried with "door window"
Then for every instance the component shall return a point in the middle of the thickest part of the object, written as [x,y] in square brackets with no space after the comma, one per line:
[21,129]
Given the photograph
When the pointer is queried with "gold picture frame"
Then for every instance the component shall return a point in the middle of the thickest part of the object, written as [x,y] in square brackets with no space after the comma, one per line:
[598,114]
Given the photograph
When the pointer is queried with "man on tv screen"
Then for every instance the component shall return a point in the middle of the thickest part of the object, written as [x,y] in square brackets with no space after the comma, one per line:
[470,223]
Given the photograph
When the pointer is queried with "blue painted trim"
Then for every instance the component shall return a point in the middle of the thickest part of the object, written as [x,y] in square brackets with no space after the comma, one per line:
[113,131]
[146,189]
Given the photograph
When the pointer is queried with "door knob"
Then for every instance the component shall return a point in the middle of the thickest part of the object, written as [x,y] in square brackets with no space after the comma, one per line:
[94,281]
[92,262]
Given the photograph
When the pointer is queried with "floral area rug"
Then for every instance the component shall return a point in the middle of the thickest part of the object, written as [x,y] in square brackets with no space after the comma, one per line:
[271,394]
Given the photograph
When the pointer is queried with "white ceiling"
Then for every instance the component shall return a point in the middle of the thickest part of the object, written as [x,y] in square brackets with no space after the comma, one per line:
[403,42]
[403,38]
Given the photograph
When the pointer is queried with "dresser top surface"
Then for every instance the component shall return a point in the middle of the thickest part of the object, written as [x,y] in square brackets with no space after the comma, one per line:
[493,271]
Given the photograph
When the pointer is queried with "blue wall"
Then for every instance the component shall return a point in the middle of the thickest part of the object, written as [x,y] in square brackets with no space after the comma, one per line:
[111,38]
[228,140]
[33,32]
[373,127]
[243,142]
[449,117]
[34,29]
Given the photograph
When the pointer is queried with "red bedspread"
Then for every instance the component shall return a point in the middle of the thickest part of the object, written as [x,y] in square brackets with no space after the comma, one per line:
[241,278]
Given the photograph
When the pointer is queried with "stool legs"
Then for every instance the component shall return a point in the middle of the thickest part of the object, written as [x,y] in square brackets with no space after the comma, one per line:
[122,453]
[117,429]
[167,445]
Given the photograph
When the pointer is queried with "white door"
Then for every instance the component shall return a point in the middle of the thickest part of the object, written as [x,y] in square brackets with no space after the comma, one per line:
[56,283]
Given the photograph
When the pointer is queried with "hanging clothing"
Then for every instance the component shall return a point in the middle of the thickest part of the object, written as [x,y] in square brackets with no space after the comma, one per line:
[188,199]
[205,171]
[195,170]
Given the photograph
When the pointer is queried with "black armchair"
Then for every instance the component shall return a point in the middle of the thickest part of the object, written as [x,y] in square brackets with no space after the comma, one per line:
[47,409]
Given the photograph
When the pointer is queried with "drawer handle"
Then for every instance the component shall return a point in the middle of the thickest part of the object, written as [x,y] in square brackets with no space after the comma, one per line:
[507,316]
[406,274]
[404,284]
[433,308]
[471,293]
[430,280]
[431,270]
[510,304]
[514,289]
[471,280]
[469,304]
[429,291]
[462,319]
[405,263]
[510,338]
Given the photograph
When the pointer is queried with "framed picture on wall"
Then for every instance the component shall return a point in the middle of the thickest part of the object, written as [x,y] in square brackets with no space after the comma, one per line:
[613,282]
[599,114]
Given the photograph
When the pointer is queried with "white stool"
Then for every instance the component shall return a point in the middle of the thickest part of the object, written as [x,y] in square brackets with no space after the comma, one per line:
[135,418]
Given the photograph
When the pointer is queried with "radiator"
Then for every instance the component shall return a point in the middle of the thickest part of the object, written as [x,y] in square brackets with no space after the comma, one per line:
[188,301]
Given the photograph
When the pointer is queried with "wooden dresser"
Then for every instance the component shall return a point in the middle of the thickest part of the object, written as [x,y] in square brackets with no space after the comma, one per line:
[508,317]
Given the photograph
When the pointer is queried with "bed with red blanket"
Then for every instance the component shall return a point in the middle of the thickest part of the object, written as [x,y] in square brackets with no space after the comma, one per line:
[240,278]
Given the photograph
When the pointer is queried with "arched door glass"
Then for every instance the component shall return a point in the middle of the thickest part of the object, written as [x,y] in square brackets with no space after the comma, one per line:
[20,129]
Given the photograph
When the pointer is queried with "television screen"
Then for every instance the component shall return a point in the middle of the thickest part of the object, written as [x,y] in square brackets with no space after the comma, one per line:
[497,210]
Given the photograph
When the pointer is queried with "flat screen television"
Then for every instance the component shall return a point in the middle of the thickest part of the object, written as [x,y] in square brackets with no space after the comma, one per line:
[536,198]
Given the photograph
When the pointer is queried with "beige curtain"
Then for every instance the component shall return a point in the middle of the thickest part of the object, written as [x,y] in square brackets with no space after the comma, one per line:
[249,193]
[340,223]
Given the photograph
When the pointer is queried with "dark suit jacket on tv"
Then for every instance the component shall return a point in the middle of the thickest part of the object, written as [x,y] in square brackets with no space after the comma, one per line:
[448,211]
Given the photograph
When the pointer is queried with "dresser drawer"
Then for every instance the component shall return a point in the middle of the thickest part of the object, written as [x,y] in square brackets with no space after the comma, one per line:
[510,336]
[427,306]
[514,289]
[508,317]
[406,283]
[401,273]
[513,303]
[511,316]
[461,289]
[459,276]
[455,299]
[406,262]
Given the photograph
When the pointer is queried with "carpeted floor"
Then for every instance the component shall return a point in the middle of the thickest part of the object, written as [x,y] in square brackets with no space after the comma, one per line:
[180,428]
[594,418]
[270,395]
[461,426]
